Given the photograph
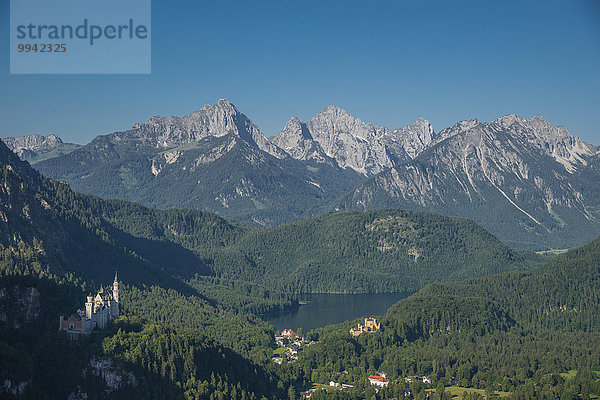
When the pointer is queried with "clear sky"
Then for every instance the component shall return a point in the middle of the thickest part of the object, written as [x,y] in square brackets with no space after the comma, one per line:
[387,62]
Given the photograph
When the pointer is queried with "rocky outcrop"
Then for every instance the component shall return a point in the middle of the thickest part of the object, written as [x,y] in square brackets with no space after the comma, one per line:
[555,141]
[351,142]
[298,142]
[16,389]
[114,376]
[410,140]
[456,129]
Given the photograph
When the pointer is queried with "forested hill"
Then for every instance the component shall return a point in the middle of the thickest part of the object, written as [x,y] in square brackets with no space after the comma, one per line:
[563,294]
[375,251]
[534,334]
[350,252]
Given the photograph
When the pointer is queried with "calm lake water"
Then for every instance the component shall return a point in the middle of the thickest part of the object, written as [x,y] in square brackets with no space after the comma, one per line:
[327,309]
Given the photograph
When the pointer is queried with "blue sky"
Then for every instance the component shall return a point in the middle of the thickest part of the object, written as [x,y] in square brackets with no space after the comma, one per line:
[387,62]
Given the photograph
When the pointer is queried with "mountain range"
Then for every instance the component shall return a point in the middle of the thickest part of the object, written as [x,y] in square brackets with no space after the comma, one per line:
[530,183]
[48,224]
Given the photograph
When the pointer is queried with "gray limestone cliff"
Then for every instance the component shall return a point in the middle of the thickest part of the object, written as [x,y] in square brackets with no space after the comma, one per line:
[214,120]
[35,148]
[365,148]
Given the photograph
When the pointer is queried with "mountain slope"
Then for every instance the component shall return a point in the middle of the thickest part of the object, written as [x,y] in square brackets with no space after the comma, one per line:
[353,252]
[57,245]
[48,230]
[563,294]
[530,183]
[215,159]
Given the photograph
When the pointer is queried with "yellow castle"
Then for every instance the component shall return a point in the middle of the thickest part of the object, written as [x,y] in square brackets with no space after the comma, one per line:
[371,325]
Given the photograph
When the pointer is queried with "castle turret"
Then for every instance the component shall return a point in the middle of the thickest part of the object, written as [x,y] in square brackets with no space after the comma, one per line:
[114,304]
[89,306]
[116,289]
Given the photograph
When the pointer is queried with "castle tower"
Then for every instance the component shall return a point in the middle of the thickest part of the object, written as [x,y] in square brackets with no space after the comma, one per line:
[115,303]
[116,289]
[89,306]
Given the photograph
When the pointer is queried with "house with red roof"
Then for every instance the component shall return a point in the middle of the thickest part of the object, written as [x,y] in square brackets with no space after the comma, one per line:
[377,380]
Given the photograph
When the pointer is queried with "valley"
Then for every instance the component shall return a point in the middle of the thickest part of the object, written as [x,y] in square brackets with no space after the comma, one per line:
[300,200]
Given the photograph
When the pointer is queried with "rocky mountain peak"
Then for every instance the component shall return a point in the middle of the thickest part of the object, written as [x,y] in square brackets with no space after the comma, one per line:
[540,118]
[296,125]
[354,144]
[223,108]
[294,120]
[335,110]
[216,120]
[223,102]
[412,139]
[333,122]
[34,148]
[555,141]
[422,129]
[509,120]
[297,141]
[32,142]
[351,142]
[424,123]
[456,129]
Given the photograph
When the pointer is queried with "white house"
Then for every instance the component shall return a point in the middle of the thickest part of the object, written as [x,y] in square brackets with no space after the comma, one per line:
[377,380]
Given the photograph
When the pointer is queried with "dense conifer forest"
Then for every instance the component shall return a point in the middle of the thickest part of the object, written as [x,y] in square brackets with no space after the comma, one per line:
[534,334]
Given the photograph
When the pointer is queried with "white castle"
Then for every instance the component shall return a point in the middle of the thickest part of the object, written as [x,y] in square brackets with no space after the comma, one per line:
[99,310]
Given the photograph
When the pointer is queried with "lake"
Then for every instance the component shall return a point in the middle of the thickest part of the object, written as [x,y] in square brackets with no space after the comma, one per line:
[327,309]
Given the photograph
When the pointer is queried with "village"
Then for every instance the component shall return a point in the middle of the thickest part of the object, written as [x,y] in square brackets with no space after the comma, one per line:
[290,345]
[379,380]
